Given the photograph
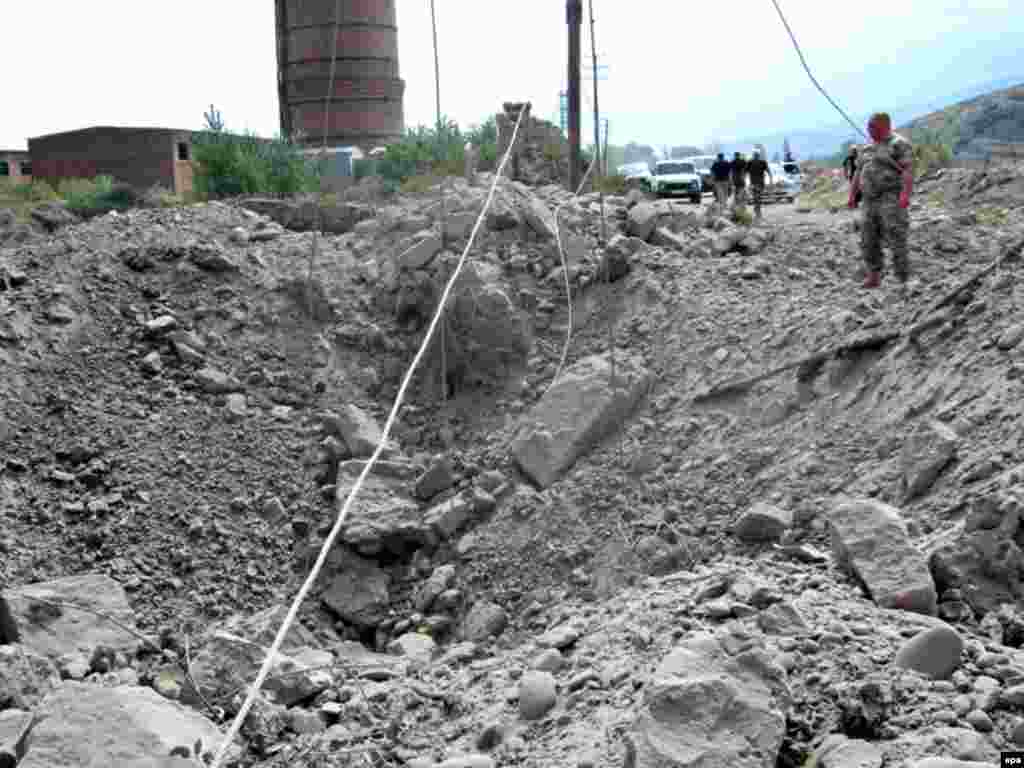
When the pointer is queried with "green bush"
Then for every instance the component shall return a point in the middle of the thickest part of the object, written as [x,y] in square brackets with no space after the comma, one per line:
[95,196]
[438,151]
[228,164]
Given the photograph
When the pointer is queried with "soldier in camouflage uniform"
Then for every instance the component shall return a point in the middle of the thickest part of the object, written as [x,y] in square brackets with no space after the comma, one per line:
[885,176]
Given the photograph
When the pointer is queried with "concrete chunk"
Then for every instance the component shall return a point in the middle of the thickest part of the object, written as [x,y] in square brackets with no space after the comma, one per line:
[576,414]
[870,540]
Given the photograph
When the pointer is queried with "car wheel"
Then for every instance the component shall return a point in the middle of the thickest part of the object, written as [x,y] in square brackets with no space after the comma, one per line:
[695,199]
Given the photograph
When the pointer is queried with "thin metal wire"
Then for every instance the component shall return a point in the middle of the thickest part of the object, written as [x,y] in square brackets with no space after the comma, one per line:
[314,252]
[565,271]
[444,218]
[807,69]
[328,544]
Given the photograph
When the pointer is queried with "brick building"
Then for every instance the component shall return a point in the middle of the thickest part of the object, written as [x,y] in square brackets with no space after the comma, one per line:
[15,166]
[140,157]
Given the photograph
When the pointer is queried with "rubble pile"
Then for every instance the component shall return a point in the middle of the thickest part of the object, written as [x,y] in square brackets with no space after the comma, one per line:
[596,570]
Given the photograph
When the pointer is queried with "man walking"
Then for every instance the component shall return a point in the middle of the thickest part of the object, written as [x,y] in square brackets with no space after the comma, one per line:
[720,175]
[886,178]
[757,168]
[850,163]
[739,179]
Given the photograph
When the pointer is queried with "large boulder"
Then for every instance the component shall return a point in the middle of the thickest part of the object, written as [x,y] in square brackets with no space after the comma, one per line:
[576,413]
[385,517]
[304,216]
[357,428]
[85,726]
[642,221]
[870,541]
[488,334]
[706,707]
[228,663]
[55,628]
[358,590]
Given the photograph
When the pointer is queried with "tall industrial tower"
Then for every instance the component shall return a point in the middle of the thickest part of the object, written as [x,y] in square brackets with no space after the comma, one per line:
[365,106]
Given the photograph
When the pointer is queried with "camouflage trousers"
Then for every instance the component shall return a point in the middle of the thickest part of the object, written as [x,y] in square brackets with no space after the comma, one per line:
[885,222]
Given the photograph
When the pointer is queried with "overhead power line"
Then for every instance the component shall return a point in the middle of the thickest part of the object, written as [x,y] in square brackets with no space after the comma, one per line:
[807,69]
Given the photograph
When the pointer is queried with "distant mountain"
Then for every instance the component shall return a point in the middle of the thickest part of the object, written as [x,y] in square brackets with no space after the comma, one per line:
[992,123]
[809,143]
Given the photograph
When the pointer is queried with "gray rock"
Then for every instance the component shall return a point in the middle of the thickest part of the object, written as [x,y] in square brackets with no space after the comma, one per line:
[448,517]
[357,428]
[422,252]
[666,238]
[228,663]
[161,326]
[54,631]
[782,619]
[359,591]
[439,476]
[643,218]
[152,363]
[261,628]
[84,725]
[841,752]
[538,216]
[1011,337]
[236,406]
[385,518]
[925,454]
[418,648]
[870,540]
[458,226]
[537,695]
[211,258]
[25,677]
[467,761]
[483,621]
[980,721]
[934,652]
[705,707]
[576,413]
[440,580]
[215,382]
[763,522]
[560,637]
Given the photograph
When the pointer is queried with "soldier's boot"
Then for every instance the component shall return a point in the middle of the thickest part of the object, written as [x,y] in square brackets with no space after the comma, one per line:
[872,279]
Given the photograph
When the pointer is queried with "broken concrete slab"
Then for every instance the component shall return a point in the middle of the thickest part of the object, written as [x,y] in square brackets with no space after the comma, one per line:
[643,218]
[422,252]
[53,630]
[82,726]
[576,413]
[870,540]
[358,591]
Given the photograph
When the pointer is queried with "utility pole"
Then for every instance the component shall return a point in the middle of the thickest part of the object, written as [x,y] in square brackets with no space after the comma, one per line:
[574,18]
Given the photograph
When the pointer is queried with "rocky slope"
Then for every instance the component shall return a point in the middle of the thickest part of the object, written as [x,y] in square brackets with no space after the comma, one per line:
[824,564]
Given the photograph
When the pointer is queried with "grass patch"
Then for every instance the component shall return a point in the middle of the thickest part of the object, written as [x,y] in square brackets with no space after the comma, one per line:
[992,215]
[228,164]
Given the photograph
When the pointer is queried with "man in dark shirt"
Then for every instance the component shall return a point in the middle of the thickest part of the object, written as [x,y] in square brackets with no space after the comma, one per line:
[739,179]
[757,168]
[720,170]
[850,164]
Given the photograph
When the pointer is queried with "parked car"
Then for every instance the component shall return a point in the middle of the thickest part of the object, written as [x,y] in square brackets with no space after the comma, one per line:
[703,165]
[638,174]
[677,177]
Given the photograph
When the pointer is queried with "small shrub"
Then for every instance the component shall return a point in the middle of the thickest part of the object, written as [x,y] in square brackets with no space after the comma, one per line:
[612,185]
[363,167]
[96,196]
[228,164]
[742,216]
[929,156]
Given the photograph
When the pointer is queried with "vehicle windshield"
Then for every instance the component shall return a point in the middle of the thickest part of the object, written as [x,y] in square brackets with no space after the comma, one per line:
[704,163]
[791,168]
[665,169]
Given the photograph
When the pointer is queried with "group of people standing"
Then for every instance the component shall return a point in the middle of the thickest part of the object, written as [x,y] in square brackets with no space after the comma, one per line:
[733,175]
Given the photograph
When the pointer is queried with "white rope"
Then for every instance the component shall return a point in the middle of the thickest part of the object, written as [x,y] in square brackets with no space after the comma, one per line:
[343,515]
[565,270]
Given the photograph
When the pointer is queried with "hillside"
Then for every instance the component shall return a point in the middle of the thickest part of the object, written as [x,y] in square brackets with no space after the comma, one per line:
[624,566]
[989,124]
[996,109]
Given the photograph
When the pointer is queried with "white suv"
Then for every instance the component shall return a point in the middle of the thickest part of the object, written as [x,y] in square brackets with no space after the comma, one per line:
[677,177]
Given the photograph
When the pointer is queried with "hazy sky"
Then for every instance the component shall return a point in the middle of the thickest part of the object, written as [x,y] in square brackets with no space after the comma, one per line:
[678,72]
